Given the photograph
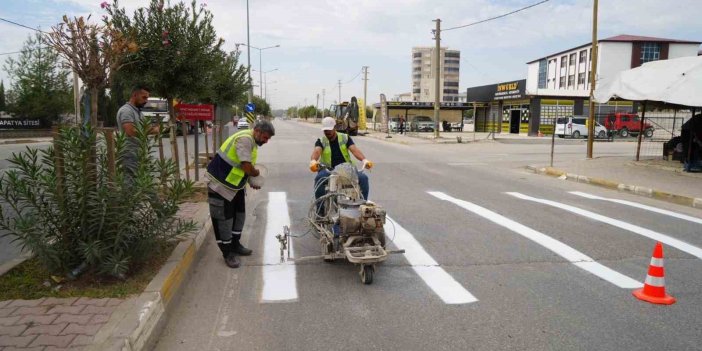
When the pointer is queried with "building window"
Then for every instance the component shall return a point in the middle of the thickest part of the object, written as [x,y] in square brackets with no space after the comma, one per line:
[571,80]
[581,78]
[589,77]
[561,84]
[543,70]
[453,54]
[450,91]
[583,56]
[417,76]
[650,52]
[572,59]
[416,91]
[417,69]
[589,55]
[450,84]
[451,69]
[452,62]
[417,54]
[564,61]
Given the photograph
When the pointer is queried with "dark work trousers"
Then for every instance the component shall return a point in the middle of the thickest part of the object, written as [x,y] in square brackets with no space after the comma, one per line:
[227,219]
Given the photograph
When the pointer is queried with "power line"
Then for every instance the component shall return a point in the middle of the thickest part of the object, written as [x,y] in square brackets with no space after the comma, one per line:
[354,78]
[496,17]
[9,53]
[22,25]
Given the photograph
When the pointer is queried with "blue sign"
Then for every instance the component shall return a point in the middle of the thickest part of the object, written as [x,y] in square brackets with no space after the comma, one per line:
[250,107]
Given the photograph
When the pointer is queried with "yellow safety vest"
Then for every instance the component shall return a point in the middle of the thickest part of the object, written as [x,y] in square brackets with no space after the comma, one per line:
[327,153]
[226,167]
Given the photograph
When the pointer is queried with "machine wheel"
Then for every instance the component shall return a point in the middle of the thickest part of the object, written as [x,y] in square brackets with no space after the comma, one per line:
[367,274]
[576,135]
[624,132]
[648,133]
[602,134]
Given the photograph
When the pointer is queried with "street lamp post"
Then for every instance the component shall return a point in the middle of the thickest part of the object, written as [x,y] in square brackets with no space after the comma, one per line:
[260,62]
[265,82]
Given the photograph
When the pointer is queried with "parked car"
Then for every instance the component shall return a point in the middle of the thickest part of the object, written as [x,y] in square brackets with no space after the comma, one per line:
[422,124]
[242,124]
[627,123]
[394,124]
[156,109]
[576,127]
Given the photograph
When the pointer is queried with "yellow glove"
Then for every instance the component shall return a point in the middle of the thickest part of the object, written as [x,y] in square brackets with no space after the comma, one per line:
[314,166]
[368,164]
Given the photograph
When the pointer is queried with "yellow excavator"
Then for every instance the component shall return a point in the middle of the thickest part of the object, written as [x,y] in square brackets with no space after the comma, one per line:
[346,115]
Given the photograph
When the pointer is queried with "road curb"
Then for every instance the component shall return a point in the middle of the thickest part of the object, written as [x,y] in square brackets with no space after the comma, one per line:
[138,321]
[22,141]
[628,188]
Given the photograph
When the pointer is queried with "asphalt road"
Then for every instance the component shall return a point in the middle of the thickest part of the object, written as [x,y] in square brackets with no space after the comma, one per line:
[497,259]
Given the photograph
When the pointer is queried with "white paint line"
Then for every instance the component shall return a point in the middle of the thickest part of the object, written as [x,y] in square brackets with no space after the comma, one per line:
[641,206]
[572,255]
[279,279]
[670,241]
[442,283]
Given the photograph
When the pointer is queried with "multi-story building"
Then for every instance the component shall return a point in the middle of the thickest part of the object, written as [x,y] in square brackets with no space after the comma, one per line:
[424,70]
[559,84]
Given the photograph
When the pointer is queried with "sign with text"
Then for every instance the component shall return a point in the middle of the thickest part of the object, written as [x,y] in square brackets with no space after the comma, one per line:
[195,112]
[22,123]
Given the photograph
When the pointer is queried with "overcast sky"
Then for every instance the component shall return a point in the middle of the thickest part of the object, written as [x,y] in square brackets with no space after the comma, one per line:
[323,41]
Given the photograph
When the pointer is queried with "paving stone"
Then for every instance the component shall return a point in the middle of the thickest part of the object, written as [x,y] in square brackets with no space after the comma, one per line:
[13,330]
[67,309]
[23,311]
[4,303]
[81,329]
[74,318]
[52,340]
[25,303]
[100,319]
[4,312]
[18,341]
[81,340]
[7,321]
[98,310]
[12,348]
[90,302]
[32,319]
[52,329]
[112,302]
[52,301]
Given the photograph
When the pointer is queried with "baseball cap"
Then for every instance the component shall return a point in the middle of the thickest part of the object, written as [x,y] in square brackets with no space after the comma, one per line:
[328,123]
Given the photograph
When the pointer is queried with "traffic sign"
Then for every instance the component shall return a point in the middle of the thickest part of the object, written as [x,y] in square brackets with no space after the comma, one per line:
[250,107]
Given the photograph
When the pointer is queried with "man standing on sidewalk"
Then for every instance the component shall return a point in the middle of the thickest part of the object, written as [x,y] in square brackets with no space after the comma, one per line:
[129,117]
[228,174]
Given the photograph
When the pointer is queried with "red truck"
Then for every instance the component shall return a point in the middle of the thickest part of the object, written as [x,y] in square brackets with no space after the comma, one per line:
[627,123]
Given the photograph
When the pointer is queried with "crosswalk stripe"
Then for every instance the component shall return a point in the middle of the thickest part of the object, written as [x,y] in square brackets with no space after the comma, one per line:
[641,206]
[670,241]
[442,283]
[574,256]
[279,279]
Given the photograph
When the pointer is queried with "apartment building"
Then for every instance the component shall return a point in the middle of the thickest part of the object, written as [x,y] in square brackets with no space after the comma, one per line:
[424,71]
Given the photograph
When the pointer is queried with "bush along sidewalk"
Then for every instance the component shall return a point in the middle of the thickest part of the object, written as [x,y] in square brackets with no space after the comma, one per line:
[85,214]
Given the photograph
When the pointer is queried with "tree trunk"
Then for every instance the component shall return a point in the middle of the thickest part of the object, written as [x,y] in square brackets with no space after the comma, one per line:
[93,107]
[174,143]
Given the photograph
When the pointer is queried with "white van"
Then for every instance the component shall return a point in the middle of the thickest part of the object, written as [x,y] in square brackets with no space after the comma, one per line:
[575,127]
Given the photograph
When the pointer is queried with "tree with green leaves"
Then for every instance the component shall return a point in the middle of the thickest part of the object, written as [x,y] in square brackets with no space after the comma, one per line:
[262,107]
[178,49]
[40,86]
[227,81]
[3,107]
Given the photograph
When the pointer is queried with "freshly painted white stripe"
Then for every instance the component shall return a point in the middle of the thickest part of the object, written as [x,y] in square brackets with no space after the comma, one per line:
[443,284]
[678,244]
[279,281]
[638,205]
[655,281]
[572,255]
[658,262]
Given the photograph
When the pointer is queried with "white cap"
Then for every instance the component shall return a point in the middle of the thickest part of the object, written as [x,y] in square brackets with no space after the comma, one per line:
[328,123]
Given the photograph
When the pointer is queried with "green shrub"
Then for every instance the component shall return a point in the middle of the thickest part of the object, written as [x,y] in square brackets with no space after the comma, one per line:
[88,218]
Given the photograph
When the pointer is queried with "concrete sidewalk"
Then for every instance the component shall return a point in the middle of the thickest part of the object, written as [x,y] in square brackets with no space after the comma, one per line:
[656,178]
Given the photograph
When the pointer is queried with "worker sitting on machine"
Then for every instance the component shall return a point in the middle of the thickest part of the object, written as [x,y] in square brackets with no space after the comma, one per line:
[334,148]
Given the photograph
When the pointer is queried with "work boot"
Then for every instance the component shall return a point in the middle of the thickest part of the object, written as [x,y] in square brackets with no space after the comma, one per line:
[231,260]
[238,248]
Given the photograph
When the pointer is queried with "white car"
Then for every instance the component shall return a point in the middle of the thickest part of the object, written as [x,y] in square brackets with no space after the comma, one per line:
[242,124]
[576,127]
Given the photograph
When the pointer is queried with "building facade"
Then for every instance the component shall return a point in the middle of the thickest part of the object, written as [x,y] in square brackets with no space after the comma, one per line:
[558,85]
[424,71]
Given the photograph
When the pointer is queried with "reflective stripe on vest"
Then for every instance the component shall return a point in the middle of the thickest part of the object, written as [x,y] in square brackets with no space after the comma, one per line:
[326,158]
[227,153]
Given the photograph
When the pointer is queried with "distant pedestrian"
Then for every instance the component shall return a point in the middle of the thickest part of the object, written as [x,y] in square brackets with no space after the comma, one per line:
[129,117]
[402,125]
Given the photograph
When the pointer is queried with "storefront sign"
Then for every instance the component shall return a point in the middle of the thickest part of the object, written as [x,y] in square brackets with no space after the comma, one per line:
[509,91]
[21,123]
[500,91]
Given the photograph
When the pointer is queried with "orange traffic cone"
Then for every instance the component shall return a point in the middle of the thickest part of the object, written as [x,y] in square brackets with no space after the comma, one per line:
[654,286]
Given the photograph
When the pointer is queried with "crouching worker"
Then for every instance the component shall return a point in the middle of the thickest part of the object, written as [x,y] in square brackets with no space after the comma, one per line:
[227,175]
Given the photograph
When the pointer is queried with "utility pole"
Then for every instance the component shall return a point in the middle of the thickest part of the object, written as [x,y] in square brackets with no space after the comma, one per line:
[339,101]
[593,75]
[248,51]
[437,78]
[323,92]
[316,108]
[365,88]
